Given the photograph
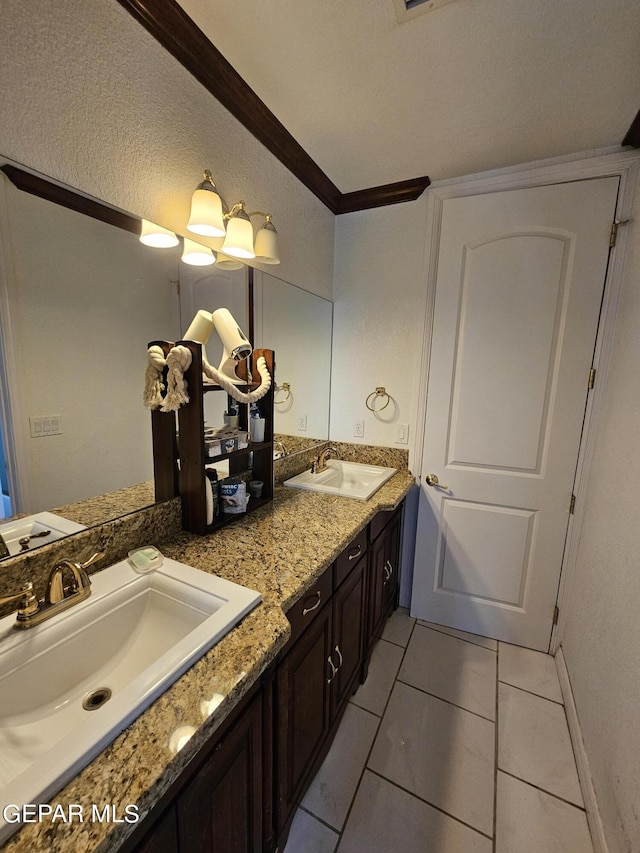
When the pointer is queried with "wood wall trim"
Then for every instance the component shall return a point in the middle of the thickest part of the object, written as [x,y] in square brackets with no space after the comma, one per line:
[633,134]
[70,199]
[170,25]
[383,195]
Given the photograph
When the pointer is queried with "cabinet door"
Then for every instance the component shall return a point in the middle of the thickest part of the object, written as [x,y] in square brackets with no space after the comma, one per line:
[377,589]
[163,838]
[392,563]
[348,635]
[303,691]
[221,809]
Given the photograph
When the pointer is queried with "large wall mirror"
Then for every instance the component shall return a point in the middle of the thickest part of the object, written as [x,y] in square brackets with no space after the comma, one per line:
[80,300]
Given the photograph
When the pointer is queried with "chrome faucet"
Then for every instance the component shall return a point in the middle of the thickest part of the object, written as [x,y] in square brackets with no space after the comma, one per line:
[320,463]
[58,596]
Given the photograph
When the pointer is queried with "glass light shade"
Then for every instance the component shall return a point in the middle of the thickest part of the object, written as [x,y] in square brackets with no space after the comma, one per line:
[239,240]
[224,263]
[197,255]
[157,236]
[206,214]
[267,244]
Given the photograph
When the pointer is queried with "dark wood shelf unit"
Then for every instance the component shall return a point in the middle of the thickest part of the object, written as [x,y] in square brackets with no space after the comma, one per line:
[165,445]
[257,457]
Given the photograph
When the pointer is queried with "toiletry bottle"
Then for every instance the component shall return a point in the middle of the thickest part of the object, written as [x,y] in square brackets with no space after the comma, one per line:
[212,475]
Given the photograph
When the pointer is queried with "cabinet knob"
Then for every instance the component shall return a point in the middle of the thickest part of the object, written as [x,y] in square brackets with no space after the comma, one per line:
[315,606]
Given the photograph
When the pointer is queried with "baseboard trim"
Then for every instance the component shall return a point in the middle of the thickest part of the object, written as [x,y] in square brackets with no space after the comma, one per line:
[582,762]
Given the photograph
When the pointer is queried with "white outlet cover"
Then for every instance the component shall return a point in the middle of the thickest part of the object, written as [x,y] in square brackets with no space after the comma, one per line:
[302,423]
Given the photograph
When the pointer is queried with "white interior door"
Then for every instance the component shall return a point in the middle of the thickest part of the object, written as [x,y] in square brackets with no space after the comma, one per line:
[519,284]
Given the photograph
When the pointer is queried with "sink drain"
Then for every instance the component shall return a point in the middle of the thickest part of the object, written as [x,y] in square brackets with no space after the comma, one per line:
[96,699]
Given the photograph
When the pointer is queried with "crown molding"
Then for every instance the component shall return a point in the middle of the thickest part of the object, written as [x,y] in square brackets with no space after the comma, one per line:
[170,25]
[71,199]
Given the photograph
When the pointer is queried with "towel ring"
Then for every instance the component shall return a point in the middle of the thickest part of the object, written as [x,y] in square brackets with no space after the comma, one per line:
[284,387]
[379,392]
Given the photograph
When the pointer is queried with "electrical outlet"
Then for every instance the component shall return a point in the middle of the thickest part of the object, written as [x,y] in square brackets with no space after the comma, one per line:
[402,434]
[302,423]
[358,429]
[49,425]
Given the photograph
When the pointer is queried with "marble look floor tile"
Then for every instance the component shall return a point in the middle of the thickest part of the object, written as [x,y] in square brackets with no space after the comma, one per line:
[335,783]
[485,642]
[308,835]
[529,670]
[441,753]
[398,627]
[529,819]
[445,666]
[534,743]
[386,819]
[374,693]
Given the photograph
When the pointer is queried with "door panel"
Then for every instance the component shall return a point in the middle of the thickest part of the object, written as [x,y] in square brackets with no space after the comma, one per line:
[519,285]
[524,275]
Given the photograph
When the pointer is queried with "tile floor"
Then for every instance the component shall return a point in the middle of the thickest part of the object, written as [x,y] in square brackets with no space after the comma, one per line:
[455,744]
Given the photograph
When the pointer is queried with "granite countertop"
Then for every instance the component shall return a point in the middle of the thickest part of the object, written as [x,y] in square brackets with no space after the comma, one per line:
[279,550]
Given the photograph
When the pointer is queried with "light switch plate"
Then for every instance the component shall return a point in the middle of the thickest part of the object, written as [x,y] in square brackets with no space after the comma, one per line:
[402,433]
[45,425]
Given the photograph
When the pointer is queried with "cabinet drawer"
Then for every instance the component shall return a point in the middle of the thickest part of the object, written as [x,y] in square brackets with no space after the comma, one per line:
[380,521]
[349,557]
[307,608]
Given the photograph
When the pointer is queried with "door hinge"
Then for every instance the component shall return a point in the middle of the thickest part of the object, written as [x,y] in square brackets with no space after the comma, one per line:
[614,231]
[556,614]
[572,504]
[592,378]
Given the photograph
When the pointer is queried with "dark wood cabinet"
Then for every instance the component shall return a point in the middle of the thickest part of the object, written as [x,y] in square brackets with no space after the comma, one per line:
[240,794]
[216,806]
[348,636]
[221,809]
[317,675]
[163,838]
[384,576]
[303,711]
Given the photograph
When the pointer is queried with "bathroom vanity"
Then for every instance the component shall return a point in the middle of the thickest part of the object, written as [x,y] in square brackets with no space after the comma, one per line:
[262,706]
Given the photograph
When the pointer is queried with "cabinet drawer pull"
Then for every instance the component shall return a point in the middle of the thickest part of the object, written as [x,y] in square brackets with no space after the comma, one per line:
[387,575]
[357,553]
[337,649]
[334,671]
[315,606]
[390,567]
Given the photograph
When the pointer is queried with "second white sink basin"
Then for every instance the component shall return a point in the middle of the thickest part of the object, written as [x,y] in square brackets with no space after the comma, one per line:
[42,528]
[347,479]
[133,637]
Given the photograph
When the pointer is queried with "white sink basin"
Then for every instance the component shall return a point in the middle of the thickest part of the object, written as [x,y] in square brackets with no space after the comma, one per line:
[32,525]
[348,479]
[135,635]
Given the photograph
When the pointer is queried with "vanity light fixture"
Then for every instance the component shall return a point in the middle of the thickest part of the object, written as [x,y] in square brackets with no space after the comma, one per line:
[157,236]
[212,217]
[197,255]
[206,216]
[224,262]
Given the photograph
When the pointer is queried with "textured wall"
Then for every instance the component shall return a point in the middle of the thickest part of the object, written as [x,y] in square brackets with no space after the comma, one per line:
[601,640]
[91,99]
[379,294]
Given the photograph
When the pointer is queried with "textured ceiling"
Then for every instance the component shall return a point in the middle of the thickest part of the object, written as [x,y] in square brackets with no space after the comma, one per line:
[474,85]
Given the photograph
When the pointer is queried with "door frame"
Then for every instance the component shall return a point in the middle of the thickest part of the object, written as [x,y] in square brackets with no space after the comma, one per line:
[576,167]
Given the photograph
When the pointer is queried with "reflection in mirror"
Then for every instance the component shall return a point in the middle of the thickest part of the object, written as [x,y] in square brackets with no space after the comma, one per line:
[210,288]
[298,326]
[81,301]
[85,298]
